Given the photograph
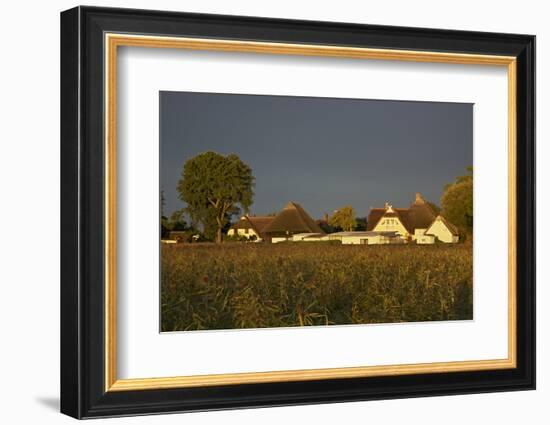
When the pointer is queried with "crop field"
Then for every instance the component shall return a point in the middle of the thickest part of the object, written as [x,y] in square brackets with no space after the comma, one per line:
[247,285]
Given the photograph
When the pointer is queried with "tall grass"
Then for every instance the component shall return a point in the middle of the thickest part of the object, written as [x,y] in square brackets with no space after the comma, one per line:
[233,285]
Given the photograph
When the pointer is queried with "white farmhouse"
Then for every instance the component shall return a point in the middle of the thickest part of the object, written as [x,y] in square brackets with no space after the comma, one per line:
[418,223]
[292,223]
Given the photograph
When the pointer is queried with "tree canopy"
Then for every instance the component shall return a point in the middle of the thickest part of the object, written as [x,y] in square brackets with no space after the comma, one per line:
[215,187]
[343,218]
[457,202]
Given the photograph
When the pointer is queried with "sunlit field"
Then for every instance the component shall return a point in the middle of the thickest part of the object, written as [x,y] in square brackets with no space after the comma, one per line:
[247,285]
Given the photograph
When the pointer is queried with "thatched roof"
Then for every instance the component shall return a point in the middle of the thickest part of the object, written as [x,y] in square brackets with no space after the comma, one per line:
[293,219]
[420,215]
[257,223]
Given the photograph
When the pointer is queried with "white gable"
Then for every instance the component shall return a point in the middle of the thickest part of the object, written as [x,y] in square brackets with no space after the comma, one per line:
[441,231]
[390,224]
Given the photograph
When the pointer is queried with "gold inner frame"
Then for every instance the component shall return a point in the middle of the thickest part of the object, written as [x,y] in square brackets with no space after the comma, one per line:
[113,41]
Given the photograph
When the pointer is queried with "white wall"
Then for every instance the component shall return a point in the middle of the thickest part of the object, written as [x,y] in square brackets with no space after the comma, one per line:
[29,171]
[243,232]
[439,229]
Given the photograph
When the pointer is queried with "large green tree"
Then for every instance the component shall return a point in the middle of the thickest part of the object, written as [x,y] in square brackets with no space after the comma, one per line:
[210,223]
[215,186]
[343,218]
[457,202]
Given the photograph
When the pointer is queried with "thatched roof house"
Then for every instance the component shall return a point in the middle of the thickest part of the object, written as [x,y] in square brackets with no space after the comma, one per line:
[291,220]
[251,226]
[418,216]
[419,219]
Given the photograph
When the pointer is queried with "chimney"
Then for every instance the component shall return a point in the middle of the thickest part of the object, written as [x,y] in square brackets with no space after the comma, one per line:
[386,205]
[419,199]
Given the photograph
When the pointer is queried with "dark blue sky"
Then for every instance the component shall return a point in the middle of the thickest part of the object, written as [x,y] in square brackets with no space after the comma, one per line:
[320,152]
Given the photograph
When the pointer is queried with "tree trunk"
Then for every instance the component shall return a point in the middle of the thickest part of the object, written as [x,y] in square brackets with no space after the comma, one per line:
[219,235]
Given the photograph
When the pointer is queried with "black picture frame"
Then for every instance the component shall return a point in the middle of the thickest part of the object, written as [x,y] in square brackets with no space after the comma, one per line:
[82,212]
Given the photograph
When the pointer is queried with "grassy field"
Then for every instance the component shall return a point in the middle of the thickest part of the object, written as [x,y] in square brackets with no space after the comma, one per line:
[238,285]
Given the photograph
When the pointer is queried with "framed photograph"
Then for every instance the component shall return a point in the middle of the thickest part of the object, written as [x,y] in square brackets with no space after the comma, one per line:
[261,212]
